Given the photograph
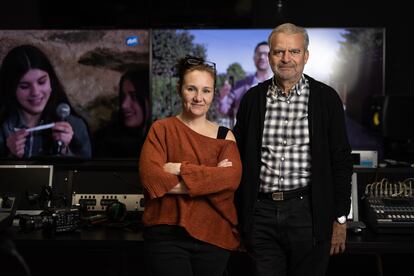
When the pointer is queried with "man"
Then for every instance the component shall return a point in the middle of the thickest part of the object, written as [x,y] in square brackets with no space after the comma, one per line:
[295,190]
[230,96]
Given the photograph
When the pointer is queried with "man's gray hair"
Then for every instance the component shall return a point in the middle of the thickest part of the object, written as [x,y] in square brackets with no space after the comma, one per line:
[289,28]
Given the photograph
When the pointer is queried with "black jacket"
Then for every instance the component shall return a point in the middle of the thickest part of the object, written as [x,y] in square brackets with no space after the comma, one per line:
[330,152]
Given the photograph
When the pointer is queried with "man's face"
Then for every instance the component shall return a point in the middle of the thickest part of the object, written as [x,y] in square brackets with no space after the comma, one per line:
[260,58]
[288,56]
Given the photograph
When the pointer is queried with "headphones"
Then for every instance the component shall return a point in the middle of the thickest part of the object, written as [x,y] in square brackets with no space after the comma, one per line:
[116,212]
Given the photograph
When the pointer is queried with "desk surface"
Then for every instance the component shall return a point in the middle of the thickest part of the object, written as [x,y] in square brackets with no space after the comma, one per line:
[111,251]
[99,250]
[365,242]
[368,242]
[98,236]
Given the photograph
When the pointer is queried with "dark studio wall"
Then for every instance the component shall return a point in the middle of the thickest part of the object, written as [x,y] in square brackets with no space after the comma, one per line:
[393,15]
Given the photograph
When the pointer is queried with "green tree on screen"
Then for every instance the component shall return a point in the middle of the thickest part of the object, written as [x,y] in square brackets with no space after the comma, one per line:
[168,46]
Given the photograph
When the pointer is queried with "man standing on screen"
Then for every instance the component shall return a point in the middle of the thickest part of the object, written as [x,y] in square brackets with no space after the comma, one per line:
[230,96]
[296,184]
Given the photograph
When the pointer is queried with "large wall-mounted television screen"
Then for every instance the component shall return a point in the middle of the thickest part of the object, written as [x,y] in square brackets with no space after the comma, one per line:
[105,76]
[351,60]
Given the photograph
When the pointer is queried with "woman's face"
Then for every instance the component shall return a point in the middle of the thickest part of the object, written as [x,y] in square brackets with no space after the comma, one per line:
[33,91]
[197,92]
[131,110]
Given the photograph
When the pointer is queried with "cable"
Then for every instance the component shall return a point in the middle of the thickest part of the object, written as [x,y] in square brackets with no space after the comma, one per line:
[7,249]
[21,261]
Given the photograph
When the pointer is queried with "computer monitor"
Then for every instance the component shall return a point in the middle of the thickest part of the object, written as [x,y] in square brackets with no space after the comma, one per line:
[29,184]
[90,64]
[351,60]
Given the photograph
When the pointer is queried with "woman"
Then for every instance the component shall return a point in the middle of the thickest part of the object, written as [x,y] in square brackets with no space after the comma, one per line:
[125,134]
[190,168]
[32,97]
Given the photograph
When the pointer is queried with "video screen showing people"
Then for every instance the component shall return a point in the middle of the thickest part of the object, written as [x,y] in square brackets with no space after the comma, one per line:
[351,60]
[73,93]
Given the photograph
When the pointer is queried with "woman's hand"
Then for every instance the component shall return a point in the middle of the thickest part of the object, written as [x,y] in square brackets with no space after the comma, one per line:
[178,189]
[62,131]
[16,142]
[224,163]
[173,168]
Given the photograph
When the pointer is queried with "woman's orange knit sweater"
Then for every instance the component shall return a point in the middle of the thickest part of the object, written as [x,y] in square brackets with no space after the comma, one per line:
[207,212]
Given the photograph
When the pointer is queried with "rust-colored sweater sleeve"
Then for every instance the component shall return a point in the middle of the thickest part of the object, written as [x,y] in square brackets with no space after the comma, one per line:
[205,180]
[153,156]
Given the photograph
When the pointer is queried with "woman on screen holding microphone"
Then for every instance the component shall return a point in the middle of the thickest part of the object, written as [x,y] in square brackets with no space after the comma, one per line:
[35,115]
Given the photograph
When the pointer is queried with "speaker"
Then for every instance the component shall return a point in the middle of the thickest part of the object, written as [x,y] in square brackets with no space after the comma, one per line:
[375,113]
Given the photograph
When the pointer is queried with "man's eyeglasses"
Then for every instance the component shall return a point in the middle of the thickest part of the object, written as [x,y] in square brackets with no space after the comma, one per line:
[197,61]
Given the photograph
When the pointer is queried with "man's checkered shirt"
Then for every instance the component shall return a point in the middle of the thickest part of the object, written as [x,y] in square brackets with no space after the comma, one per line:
[285,145]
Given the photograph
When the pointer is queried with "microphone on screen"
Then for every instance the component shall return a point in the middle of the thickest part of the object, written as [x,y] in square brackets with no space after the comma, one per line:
[62,111]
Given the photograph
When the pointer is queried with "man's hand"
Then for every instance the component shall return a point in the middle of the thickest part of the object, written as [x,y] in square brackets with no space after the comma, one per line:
[338,238]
